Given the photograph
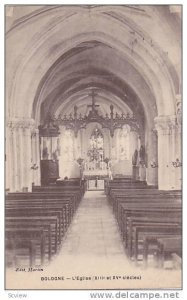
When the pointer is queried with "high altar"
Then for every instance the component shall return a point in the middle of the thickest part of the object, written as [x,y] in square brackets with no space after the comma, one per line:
[92,146]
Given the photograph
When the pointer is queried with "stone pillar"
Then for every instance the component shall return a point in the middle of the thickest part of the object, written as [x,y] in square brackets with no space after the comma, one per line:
[84,143]
[173,170]
[165,126]
[142,173]
[178,150]
[20,159]
[9,157]
[37,150]
[81,143]
[18,150]
[133,141]
[152,158]
[15,158]
[178,142]
[113,152]
[107,143]
[35,157]
[28,163]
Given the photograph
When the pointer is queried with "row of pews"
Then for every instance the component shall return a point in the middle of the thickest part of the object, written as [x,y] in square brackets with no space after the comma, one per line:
[36,222]
[149,220]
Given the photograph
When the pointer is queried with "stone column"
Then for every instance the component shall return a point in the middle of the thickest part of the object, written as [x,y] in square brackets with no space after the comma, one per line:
[28,163]
[20,159]
[164,126]
[9,156]
[18,149]
[173,153]
[107,142]
[84,143]
[178,156]
[152,158]
[134,146]
[133,141]
[37,149]
[178,142]
[35,157]
[113,150]
[16,162]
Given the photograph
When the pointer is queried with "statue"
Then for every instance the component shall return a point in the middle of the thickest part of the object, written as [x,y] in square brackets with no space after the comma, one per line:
[55,155]
[142,155]
[135,158]
[45,153]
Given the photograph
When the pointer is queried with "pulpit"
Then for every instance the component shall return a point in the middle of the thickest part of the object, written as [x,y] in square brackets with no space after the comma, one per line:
[49,152]
[49,171]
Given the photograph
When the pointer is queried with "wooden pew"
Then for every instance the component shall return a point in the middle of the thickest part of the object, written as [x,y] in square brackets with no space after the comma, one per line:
[18,238]
[143,211]
[123,203]
[166,247]
[73,184]
[152,241]
[34,213]
[129,210]
[158,209]
[49,209]
[165,229]
[73,198]
[32,225]
[143,193]
[177,261]
[48,224]
[149,219]
[62,204]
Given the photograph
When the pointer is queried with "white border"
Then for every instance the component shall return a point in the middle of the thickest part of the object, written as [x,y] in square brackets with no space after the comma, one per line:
[80,294]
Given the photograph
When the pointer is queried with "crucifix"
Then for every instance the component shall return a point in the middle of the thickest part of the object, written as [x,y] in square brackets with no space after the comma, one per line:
[93,105]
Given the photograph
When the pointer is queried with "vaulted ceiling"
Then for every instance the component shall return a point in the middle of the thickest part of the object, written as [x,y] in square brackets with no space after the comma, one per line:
[129,75]
[90,65]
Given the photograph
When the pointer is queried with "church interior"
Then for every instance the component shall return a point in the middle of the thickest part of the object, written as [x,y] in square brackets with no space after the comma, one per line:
[93,138]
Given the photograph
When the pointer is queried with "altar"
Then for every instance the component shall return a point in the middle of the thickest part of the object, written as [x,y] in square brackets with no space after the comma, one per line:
[95,184]
[95,177]
[96,173]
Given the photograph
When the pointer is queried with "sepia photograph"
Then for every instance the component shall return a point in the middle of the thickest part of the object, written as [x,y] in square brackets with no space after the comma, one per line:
[93,147]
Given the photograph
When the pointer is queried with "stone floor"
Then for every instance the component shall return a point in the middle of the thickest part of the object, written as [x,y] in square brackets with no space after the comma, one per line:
[94,230]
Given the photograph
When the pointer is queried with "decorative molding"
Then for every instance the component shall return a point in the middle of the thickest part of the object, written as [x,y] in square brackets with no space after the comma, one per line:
[21,123]
[35,133]
[50,128]
[154,164]
[34,167]
[76,122]
[176,163]
[165,124]
[179,109]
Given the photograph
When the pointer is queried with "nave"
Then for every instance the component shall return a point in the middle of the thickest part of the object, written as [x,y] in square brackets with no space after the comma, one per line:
[93,102]
[93,231]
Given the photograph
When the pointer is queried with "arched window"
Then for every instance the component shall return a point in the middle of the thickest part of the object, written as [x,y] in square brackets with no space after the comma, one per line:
[96,146]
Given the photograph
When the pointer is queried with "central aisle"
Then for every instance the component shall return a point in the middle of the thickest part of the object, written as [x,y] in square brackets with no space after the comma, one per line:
[93,230]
